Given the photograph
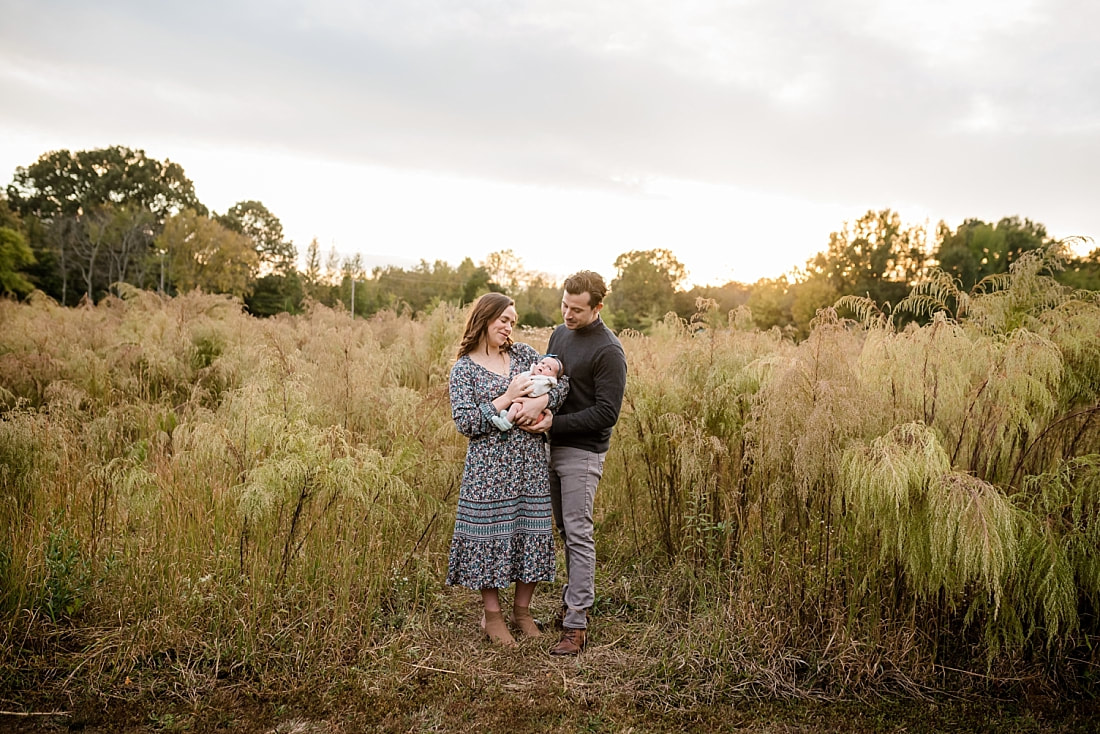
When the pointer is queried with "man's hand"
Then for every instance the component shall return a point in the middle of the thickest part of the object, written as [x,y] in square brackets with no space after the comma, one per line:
[530,408]
[541,426]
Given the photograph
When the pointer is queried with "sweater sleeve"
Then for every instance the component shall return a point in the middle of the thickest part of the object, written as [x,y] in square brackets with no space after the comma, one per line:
[472,419]
[609,376]
[557,393]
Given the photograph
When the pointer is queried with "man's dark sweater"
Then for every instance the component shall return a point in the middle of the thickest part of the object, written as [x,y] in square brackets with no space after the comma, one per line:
[593,358]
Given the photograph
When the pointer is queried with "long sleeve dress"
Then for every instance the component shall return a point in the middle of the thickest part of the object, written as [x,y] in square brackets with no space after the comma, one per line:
[504,523]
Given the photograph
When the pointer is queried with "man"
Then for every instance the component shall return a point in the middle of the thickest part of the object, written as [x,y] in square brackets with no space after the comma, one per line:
[580,433]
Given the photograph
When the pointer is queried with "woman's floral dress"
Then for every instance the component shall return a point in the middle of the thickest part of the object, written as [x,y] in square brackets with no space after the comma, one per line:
[504,524]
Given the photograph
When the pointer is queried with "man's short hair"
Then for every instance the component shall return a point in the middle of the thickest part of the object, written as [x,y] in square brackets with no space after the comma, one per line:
[588,282]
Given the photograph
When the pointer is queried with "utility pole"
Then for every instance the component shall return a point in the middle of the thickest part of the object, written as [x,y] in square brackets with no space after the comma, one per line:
[353,298]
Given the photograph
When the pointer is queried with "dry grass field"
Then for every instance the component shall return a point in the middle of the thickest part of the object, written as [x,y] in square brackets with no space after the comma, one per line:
[213,522]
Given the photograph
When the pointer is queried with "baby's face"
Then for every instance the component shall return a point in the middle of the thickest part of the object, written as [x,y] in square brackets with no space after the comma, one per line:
[546,366]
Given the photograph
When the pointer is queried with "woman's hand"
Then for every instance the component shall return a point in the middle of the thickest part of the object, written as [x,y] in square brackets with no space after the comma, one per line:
[531,410]
[518,387]
[542,425]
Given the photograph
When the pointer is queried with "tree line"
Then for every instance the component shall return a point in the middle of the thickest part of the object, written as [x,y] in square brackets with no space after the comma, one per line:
[77,225]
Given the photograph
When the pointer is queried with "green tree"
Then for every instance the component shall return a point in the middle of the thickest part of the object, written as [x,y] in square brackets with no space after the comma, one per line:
[539,303]
[770,303]
[1082,272]
[416,289]
[475,281]
[63,183]
[131,230]
[311,280]
[105,244]
[721,298]
[876,257]
[645,288]
[538,300]
[64,196]
[351,292]
[808,295]
[275,293]
[9,218]
[203,254]
[84,237]
[506,269]
[978,249]
[256,222]
[15,256]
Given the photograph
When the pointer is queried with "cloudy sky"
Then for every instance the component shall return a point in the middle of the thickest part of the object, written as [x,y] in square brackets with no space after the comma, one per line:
[736,134]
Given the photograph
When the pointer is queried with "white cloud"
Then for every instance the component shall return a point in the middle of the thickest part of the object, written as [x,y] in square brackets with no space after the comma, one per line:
[597,109]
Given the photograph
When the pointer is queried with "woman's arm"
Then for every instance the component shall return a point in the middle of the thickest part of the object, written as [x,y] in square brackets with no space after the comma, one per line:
[471,417]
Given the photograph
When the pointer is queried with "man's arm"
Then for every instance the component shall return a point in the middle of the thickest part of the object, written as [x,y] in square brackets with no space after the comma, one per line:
[609,382]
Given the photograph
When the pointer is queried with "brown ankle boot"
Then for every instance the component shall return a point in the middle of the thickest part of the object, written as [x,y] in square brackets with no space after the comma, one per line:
[572,642]
[496,629]
[521,618]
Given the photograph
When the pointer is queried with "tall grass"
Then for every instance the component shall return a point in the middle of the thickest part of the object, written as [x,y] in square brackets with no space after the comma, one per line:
[921,496]
[221,488]
[184,487]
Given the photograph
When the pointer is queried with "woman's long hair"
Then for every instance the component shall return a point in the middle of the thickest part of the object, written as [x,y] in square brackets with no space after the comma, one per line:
[485,310]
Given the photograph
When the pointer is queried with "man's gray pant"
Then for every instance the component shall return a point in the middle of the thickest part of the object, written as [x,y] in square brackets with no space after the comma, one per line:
[574,474]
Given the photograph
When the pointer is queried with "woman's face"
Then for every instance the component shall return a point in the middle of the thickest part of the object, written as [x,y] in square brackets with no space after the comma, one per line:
[499,329]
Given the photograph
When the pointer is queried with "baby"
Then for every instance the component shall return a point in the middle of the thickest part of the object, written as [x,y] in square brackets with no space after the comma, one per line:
[544,375]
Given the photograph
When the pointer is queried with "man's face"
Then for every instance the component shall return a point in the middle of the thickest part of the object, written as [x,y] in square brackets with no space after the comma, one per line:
[576,312]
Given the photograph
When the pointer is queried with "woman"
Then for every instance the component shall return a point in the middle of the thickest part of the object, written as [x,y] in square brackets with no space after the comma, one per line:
[504,524]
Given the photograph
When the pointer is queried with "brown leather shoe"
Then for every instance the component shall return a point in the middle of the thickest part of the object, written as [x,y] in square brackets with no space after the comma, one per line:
[572,642]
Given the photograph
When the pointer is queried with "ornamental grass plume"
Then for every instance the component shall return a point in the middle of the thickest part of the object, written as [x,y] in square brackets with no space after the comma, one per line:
[885,485]
[972,541]
[1016,398]
[682,440]
[805,413]
[1008,301]
[1058,564]
[920,374]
